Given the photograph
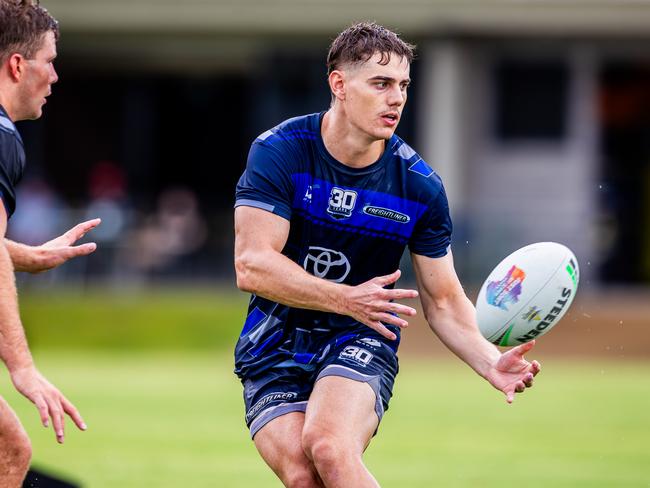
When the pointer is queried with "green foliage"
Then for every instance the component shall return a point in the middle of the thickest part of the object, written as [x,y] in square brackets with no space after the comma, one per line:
[176,419]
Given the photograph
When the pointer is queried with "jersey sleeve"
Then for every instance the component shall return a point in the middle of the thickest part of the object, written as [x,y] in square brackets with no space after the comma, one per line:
[9,160]
[432,233]
[266,183]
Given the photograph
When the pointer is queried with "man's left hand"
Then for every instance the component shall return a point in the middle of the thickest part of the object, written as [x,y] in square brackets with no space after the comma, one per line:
[512,373]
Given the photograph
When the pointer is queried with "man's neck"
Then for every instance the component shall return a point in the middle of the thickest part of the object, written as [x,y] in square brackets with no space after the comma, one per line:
[6,105]
[347,144]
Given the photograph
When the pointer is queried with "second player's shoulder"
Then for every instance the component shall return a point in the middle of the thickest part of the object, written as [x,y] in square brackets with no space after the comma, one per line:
[11,145]
[8,131]
[420,177]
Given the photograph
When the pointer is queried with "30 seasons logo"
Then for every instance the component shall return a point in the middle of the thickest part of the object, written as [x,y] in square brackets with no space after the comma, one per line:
[557,309]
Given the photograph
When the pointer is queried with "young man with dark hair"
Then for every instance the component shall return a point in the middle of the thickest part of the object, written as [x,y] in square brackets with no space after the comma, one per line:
[324,211]
[28,35]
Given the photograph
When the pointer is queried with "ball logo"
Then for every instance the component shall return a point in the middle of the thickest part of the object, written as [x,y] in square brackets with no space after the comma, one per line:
[327,264]
[533,313]
[506,291]
[551,316]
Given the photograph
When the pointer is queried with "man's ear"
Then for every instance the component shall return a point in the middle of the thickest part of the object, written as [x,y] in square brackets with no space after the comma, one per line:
[16,65]
[336,81]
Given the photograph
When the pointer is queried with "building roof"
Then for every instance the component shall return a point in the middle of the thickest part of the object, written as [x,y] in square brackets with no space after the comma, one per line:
[415,17]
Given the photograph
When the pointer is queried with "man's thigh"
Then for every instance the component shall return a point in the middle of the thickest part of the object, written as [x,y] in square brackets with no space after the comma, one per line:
[278,392]
[352,390]
[343,409]
[279,444]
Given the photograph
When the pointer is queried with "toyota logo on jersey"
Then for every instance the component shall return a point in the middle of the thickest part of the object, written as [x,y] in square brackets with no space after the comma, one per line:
[327,264]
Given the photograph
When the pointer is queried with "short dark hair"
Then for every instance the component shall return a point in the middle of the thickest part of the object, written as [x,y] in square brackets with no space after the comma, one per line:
[360,42]
[22,26]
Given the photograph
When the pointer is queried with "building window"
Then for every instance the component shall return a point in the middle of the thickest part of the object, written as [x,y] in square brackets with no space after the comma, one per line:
[531,100]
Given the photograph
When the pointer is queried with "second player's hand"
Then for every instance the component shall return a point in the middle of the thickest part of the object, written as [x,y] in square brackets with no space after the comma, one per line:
[371,304]
[59,250]
[49,401]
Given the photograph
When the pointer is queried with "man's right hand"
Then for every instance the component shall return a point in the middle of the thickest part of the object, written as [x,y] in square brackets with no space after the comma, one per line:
[371,304]
[49,401]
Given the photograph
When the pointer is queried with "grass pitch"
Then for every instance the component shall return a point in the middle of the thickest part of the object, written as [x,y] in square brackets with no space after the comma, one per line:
[152,375]
[176,419]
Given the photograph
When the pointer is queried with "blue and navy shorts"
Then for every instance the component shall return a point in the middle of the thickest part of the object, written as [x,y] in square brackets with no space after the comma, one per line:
[286,387]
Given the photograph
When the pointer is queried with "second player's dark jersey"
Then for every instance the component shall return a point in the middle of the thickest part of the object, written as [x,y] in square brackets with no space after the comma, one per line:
[347,225]
[12,161]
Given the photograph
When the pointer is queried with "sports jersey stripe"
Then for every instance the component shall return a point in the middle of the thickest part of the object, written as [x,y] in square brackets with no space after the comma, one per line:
[350,228]
[317,203]
[405,152]
[273,339]
[7,124]
[287,135]
[421,168]
[253,320]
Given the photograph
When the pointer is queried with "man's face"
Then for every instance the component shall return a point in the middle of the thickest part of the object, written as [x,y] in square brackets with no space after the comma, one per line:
[375,95]
[38,76]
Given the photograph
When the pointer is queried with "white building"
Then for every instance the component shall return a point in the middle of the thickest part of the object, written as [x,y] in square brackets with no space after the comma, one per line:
[525,108]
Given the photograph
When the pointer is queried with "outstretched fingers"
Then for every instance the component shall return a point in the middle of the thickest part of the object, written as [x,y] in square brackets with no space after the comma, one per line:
[82,250]
[522,349]
[74,414]
[79,230]
[535,367]
[58,419]
[43,411]
[382,329]
[517,387]
[388,279]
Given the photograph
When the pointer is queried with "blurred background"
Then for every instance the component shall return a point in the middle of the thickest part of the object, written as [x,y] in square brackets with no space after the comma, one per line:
[535,114]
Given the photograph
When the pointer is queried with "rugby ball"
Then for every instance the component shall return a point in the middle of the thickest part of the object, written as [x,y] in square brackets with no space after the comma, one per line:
[527,294]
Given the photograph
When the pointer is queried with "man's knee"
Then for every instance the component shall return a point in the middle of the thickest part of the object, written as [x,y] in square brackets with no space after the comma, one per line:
[301,478]
[324,450]
[16,450]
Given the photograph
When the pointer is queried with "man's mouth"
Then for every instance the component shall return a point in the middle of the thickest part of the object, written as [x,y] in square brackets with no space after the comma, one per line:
[390,118]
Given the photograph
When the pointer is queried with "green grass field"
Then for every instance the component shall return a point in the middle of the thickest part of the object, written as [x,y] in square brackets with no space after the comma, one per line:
[168,416]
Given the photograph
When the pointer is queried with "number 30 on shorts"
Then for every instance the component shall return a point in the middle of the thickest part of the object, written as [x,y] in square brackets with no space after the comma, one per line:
[357,354]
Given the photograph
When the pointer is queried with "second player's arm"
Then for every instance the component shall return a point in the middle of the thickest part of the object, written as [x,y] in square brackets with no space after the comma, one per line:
[36,259]
[15,353]
[262,269]
[452,316]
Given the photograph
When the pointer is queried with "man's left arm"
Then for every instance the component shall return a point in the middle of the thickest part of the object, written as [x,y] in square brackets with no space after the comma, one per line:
[452,316]
[36,259]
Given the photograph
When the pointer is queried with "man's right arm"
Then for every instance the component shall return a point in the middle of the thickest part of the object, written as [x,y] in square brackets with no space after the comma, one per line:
[14,352]
[262,269]
[13,345]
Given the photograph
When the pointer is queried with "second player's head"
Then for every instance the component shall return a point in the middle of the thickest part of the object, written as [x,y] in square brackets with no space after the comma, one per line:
[28,35]
[368,72]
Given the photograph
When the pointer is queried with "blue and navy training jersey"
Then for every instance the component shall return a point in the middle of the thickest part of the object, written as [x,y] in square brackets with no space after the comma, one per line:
[347,225]
[12,161]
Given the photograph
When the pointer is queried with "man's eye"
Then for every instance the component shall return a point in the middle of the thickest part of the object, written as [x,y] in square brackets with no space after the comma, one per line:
[381,84]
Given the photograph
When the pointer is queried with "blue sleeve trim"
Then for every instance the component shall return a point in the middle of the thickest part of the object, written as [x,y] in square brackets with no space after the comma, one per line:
[274,209]
[245,202]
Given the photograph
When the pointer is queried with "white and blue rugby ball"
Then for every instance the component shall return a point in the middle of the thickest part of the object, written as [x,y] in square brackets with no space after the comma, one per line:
[527,294]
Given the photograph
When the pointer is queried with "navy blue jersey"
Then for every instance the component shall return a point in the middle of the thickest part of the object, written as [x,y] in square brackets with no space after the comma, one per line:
[347,225]
[12,161]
